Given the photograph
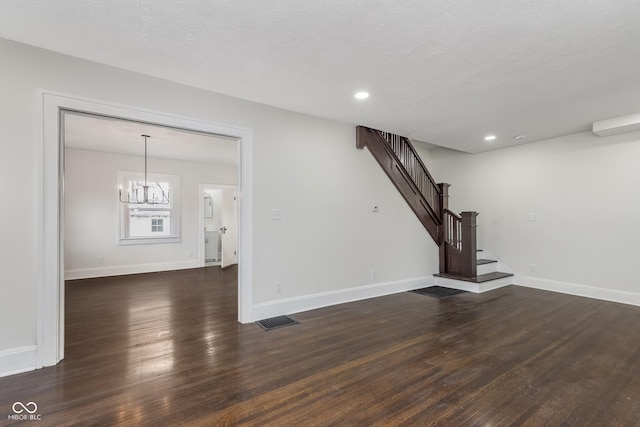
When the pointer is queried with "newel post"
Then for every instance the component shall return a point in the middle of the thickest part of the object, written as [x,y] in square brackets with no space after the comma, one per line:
[361,137]
[443,201]
[444,196]
[469,245]
[444,204]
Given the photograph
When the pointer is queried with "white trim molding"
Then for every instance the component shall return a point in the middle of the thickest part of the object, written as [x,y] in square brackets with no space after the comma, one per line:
[613,295]
[50,320]
[17,360]
[201,189]
[476,288]
[280,307]
[121,270]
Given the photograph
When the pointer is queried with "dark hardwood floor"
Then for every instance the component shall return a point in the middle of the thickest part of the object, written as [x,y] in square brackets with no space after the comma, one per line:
[165,349]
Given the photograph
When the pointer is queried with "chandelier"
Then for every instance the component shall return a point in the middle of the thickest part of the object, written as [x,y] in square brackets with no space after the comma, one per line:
[138,194]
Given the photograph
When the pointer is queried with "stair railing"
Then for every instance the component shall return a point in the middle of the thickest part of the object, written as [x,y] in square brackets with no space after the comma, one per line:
[455,235]
[458,250]
[406,171]
[406,154]
[452,225]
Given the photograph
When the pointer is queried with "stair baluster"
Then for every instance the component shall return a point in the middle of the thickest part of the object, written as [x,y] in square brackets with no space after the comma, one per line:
[456,235]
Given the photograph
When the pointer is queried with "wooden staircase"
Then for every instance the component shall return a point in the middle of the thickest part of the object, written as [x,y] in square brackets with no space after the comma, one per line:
[454,234]
[487,277]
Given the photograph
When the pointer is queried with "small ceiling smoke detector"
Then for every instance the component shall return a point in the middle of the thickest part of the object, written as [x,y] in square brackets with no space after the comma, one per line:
[362,95]
[490,138]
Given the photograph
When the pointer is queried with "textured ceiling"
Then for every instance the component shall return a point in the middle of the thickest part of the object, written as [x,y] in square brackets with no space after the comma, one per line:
[441,71]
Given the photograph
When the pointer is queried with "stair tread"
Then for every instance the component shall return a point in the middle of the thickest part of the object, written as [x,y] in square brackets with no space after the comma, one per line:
[478,279]
[485,261]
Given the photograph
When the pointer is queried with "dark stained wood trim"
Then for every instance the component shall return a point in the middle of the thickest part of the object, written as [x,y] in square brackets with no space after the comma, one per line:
[462,262]
[400,178]
[457,253]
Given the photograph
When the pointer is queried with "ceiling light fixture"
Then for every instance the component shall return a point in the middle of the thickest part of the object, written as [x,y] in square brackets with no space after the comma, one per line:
[158,197]
[519,138]
[362,95]
[489,137]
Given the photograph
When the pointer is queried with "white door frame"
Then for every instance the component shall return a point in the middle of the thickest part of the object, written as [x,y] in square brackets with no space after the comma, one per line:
[201,188]
[50,308]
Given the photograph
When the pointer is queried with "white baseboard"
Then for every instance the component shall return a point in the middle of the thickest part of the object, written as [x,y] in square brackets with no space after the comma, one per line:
[17,360]
[87,273]
[613,295]
[270,309]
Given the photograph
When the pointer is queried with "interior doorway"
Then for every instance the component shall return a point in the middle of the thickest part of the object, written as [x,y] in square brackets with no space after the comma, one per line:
[50,325]
[219,225]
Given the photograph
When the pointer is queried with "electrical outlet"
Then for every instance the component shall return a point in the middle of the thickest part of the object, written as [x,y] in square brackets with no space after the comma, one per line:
[532,268]
[100,260]
[190,254]
[279,287]
[374,274]
[276,215]
[533,217]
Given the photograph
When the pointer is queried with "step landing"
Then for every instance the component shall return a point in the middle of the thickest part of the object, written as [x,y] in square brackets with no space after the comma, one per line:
[478,284]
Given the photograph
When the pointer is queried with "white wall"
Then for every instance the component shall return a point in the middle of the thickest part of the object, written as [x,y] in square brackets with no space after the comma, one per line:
[327,241]
[92,217]
[585,191]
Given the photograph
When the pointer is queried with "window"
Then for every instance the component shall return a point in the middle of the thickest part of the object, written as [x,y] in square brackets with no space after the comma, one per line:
[157,225]
[145,223]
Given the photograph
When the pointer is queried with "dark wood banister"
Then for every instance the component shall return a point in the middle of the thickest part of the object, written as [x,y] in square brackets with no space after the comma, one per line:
[458,250]
[455,234]
[402,149]
[406,145]
[427,205]
[452,225]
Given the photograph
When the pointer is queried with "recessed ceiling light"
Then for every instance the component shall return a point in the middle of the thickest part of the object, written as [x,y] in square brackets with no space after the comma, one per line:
[489,137]
[362,95]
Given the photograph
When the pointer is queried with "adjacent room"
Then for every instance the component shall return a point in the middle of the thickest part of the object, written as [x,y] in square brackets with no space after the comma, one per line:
[111,229]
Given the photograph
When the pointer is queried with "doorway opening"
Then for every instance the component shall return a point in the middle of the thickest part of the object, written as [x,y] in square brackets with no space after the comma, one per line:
[50,327]
[219,225]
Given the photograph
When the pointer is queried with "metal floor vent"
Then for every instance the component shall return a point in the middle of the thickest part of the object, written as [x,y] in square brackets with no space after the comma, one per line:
[276,322]
[437,291]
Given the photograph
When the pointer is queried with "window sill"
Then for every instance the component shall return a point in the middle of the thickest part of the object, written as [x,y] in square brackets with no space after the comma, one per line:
[149,241]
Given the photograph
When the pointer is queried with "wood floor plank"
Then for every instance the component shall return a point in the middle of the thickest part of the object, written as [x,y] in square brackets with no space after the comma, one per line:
[165,349]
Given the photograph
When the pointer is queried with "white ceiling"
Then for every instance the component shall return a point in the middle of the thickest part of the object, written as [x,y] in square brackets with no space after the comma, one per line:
[95,133]
[446,72]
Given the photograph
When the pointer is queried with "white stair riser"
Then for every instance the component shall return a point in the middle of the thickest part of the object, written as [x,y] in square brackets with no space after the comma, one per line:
[485,255]
[472,287]
[487,268]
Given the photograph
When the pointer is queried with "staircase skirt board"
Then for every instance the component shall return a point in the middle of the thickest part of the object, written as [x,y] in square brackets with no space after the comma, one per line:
[460,259]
